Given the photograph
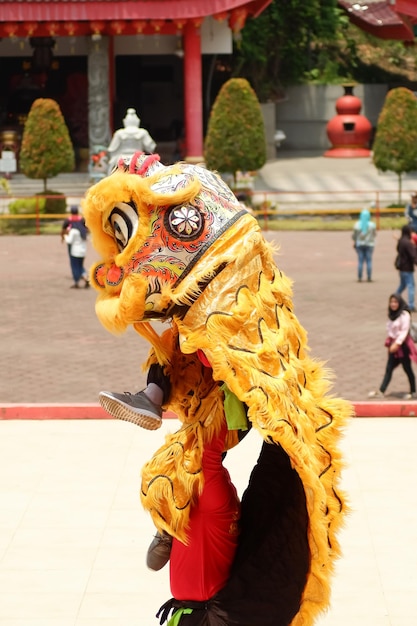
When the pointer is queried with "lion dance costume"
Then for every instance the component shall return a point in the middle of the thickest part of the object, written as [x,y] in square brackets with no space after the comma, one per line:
[176,245]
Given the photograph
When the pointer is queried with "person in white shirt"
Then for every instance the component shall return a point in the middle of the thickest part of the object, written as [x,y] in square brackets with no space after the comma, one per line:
[76,238]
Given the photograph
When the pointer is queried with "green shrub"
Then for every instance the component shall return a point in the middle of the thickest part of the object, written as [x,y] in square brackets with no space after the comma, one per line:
[26,206]
[235,139]
[54,205]
[46,145]
[396,205]
[395,144]
[23,206]
[4,184]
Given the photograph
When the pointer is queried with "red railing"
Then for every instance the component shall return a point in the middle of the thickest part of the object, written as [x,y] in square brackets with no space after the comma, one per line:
[266,203]
[38,216]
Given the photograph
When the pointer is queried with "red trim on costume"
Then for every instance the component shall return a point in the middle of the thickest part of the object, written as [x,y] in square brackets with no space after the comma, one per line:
[147,163]
[202,357]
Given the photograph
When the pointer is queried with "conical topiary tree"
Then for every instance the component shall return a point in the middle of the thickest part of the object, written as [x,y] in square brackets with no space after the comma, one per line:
[395,144]
[235,139]
[46,145]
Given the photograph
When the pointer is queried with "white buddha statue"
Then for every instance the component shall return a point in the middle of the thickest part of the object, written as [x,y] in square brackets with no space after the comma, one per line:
[128,140]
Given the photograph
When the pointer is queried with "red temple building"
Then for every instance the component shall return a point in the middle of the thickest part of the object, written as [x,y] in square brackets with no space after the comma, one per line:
[387,19]
[97,58]
[165,58]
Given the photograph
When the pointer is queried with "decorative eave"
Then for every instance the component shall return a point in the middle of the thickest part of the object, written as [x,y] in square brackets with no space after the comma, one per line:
[393,19]
[405,7]
[31,18]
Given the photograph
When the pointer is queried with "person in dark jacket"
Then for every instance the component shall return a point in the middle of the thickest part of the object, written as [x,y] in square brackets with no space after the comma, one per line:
[411,212]
[407,258]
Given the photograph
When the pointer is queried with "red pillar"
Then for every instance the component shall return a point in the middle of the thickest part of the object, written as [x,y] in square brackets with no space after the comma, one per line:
[112,88]
[193,96]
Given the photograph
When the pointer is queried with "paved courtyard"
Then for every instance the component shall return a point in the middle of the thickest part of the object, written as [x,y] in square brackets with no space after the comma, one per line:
[73,535]
[53,349]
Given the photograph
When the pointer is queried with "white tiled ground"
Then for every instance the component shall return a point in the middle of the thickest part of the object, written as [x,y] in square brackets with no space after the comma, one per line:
[73,535]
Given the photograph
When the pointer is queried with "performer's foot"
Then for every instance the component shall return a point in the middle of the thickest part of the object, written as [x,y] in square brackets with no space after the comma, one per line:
[376,394]
[159,551]
[135,408]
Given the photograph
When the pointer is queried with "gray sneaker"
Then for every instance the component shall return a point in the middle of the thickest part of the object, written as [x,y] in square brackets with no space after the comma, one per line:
[159,551]
[132,407]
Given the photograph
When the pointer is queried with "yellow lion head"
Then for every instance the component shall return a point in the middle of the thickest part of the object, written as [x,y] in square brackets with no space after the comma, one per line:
[152,225]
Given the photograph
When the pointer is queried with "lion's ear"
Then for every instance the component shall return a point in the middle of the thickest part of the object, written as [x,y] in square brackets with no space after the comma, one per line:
[168,188]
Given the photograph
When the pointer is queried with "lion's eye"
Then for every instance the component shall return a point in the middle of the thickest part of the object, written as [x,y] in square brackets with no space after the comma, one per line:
[124,221]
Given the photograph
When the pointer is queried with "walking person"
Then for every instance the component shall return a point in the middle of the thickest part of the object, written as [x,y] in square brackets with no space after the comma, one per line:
[76,238]
[411,212]
[406,259]
[401,347]
[364,234]
[74,216]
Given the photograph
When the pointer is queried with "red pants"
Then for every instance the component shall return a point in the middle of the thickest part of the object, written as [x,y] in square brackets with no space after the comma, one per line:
[198,570]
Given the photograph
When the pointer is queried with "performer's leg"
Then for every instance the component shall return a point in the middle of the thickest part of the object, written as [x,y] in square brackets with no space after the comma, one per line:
[159,551]
[143,408]
[392,363]
[199,569]
[273,558]
[407,367]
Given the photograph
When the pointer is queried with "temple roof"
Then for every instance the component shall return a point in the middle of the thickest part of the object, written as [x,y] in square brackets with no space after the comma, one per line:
[47,10]
[387,19]
[22,18]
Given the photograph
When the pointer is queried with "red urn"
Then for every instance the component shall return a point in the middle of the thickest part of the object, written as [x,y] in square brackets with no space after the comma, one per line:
[349,132]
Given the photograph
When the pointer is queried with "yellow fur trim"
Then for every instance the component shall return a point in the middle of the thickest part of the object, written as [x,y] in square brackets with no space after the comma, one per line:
[173,479]
[163,345]
[117,312]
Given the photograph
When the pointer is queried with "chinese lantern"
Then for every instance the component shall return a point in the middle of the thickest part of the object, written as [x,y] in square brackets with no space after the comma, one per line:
[71,28]
[220,17]
[97,27]
[117,27]
[30,28]
[157,25]
[237,19]
[139,26]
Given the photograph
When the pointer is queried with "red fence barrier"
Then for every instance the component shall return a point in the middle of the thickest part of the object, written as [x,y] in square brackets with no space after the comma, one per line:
[38,215]
[267,204]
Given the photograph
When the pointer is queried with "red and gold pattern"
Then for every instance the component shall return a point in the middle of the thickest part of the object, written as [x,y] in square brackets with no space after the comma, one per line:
[175,226]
